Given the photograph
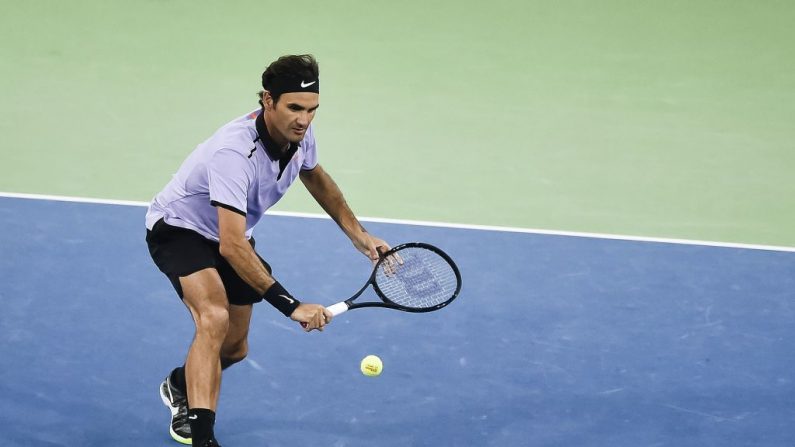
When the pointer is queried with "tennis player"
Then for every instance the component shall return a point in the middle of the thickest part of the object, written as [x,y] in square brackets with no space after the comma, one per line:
[199,235]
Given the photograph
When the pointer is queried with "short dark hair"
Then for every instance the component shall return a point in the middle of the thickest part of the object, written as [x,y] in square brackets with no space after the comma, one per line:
[301,66]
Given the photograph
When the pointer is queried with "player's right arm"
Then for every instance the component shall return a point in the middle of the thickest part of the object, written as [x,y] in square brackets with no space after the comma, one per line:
[241,256]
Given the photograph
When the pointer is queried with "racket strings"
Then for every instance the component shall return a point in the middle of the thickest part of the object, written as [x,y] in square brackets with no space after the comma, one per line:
[422,279]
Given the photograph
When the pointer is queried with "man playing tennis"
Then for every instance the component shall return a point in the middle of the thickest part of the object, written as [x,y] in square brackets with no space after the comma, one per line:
[199,235]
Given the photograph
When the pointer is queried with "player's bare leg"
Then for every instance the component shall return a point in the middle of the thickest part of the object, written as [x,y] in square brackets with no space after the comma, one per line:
[204,295]
[235,345]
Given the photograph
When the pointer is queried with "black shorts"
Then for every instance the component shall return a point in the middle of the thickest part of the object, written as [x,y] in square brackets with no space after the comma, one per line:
[179,252]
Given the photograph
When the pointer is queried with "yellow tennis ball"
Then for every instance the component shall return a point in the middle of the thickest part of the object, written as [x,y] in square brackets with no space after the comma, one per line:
[371,366]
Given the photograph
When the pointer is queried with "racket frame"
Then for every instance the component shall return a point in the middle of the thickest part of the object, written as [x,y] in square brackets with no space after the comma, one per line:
[349,304]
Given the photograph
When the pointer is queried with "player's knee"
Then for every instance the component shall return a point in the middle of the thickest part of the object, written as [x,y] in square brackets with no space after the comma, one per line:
[213,321]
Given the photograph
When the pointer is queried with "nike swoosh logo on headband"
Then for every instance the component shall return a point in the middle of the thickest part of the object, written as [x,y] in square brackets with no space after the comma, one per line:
[305,85]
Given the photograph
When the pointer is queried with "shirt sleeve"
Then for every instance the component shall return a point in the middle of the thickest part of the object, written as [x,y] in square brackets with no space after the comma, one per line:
[310,150]
[230,174]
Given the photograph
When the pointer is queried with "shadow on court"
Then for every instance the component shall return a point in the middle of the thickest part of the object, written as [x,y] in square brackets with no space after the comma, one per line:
[554,341]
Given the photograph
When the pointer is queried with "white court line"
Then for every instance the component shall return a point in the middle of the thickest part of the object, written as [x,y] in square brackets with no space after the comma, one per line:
[432,224]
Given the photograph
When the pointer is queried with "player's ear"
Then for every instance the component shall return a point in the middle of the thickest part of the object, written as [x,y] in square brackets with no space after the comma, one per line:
[267,100]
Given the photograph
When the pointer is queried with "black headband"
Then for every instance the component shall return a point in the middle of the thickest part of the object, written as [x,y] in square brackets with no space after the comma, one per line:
[286,84]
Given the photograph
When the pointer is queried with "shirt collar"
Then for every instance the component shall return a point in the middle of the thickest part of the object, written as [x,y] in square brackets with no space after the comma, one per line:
[271,148]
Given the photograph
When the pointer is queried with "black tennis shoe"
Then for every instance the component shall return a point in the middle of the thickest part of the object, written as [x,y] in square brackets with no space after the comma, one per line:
[177,402]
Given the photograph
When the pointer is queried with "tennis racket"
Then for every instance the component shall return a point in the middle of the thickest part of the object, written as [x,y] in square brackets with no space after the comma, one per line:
[412,277]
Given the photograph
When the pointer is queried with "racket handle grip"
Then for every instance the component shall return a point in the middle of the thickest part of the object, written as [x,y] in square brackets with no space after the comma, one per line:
[335,310]
[338,308]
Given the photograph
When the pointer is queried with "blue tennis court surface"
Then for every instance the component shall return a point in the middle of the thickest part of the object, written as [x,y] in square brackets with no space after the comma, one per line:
[554,341]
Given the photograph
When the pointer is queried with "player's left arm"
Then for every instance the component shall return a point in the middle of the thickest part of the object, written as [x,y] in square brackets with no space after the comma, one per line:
[328,195]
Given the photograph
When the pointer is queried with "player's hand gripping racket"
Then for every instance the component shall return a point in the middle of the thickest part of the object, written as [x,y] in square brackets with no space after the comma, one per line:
[413,277]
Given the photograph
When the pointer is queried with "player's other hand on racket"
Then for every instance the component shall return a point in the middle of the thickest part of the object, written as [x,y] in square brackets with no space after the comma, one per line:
[369,245]
[312,316]
[374,247]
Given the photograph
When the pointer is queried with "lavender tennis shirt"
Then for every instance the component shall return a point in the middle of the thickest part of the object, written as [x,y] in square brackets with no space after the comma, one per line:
[238,168]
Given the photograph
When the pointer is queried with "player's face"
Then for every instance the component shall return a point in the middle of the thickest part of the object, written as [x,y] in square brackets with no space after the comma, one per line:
[290,117]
